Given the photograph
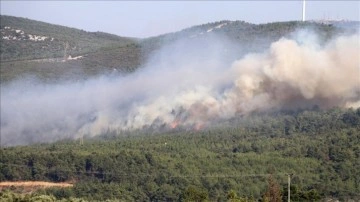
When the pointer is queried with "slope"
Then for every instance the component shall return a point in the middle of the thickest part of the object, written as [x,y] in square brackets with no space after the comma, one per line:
[23,38]
[52,52]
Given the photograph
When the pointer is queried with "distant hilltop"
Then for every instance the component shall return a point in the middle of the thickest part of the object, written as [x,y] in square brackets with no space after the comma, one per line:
[336,22]
[29,46]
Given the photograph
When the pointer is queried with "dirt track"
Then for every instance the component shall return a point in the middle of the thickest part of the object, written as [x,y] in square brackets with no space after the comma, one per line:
[34,184]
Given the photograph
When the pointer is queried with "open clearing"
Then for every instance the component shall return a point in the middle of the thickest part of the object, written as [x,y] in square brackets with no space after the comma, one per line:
[31,184]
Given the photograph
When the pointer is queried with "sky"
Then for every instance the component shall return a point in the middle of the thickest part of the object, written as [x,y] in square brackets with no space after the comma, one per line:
[150,18]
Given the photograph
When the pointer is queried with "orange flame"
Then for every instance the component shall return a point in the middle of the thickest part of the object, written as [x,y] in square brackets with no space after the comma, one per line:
[199,126]
[174,124]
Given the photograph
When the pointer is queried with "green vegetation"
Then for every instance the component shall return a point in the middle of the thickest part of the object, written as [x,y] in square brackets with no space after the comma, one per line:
[78,41]
[104,61]
[245,37]
[102,53]
[243,159]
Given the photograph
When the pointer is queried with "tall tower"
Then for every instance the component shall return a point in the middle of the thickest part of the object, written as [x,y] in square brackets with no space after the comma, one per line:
[303,11]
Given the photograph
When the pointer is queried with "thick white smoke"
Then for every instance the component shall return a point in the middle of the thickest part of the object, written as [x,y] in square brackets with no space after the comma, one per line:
[188,83]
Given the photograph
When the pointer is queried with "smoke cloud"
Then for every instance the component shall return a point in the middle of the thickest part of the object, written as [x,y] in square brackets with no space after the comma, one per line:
[189,83]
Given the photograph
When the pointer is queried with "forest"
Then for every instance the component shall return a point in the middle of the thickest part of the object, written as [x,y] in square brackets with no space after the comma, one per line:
[248,158]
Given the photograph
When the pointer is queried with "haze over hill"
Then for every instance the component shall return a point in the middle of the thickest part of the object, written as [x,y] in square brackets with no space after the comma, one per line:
[190,78]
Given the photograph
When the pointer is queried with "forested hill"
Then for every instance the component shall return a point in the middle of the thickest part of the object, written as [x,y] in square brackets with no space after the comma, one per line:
[244,159]
[30,47]
[26,39]
[244,37]
[23,39]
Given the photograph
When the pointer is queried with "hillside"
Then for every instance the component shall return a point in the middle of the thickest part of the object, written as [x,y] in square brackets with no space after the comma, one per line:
[224,111]
[25,39]
[30,47]
[319,148]
[244,37]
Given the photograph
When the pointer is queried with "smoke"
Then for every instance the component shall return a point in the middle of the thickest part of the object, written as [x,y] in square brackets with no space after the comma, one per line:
[189,83]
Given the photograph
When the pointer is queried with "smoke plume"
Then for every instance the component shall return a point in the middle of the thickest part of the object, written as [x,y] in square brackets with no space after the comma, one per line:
[187,83]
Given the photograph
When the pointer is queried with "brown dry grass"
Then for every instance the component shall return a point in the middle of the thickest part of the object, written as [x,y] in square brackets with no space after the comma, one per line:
[34,184]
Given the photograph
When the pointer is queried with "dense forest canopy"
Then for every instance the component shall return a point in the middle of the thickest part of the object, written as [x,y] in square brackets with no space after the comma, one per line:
[320,148]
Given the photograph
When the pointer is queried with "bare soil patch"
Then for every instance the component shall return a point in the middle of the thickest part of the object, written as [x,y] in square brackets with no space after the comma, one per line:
[29,186]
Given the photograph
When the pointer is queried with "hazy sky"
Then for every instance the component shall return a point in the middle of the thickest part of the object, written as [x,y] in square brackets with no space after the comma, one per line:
[150,18]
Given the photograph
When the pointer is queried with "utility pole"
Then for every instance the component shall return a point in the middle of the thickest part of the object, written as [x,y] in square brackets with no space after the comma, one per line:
[289,182]
[66,46]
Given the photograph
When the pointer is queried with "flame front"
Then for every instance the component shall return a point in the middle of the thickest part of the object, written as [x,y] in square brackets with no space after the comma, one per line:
[174,124]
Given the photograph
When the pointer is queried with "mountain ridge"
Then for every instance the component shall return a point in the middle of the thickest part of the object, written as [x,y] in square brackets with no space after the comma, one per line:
[39,45]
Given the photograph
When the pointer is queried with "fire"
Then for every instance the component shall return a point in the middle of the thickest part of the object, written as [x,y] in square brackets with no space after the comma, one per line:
[174,124]
[196,126]
[199,126]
